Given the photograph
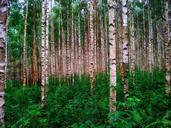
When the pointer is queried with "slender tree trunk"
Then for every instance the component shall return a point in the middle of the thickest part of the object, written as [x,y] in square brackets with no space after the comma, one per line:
[85,52]
[167,47]
[35,73]
[91,39]
[132,41]
[150,44]
[25,63]
[44,51]
[72,42]
[120,29]
[53,67]
[79,45]
[3,54]
[112,55]
[125,65]
[144,47]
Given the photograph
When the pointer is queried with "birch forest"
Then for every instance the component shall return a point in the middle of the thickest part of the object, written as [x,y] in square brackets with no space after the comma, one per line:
[85,63]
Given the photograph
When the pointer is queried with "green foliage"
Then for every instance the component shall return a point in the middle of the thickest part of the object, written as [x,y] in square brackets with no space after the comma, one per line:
[70,105]
[23,108]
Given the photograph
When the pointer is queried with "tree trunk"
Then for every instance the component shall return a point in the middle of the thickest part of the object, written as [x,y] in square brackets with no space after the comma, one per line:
[35,73]
[125,65]
[144,47]
[44,51]
[132,41]
[3,54]
[53,67]
[91,40]
[167,47]
[150,44]
[112,55]
[25,61]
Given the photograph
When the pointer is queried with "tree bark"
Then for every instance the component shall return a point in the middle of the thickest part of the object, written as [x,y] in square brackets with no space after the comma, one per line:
[125,65]
[112,55]
[3,54]
[166,44]
[35,73]
[25,61]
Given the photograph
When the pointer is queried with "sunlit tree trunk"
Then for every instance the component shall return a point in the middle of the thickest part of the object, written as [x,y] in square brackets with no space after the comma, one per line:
[144,46]
[3,54]
[112,55]
[35,73]
[25,63]
[95,36]
[44,51]
[150,44]
[132,40]
[167,47]
[91,40]
[125,65]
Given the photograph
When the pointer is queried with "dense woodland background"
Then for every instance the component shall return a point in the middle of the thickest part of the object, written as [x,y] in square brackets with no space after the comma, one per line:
[85,63]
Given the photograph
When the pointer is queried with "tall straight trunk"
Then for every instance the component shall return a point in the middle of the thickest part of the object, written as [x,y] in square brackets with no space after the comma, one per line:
[144,47]
[125,65]
[166,44]
[91,40]
[3,54]
[44,51]
[35,73]
[103,45]
[79,45]
[120,29]
[68,60]
[85,42]
[137,45]
[53,67]
[102,39]
[150,44]
[59,47]
[64,67]
[132,40]
[112,55]
[25,63]
[159,47]
[95,37]
[72,41]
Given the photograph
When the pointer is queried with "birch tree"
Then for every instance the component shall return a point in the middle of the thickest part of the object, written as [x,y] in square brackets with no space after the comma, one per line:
[112,56]
[166,44]
[125,65]
[3,54]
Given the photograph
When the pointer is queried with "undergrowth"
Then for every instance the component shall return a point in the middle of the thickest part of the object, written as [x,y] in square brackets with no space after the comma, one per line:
[70,105]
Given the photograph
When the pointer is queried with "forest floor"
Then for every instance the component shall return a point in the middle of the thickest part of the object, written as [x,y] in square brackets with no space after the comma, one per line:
[70,105]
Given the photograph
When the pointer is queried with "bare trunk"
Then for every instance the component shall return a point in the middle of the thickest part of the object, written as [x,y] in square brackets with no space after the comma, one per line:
[132,41]
[3,54]
[167,48]
[125,65]
[44,51]
[53,67]
[91,35]
[112,55]
[35,73]
[25,63]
